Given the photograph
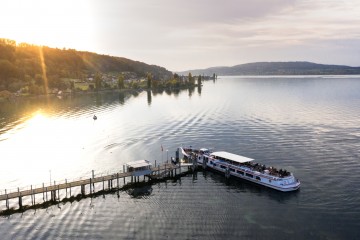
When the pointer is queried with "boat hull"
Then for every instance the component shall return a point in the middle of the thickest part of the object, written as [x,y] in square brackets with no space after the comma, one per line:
[286,188]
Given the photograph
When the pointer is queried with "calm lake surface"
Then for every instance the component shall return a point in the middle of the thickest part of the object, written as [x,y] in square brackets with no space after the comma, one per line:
[307,125]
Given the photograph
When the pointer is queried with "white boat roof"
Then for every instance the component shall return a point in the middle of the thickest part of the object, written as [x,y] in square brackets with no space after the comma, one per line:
[139,163]
[232,157]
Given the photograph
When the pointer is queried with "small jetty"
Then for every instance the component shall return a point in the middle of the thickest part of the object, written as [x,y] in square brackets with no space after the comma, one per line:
[131,173]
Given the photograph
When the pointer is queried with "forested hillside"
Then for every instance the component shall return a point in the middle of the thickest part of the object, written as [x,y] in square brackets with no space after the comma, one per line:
[278,68]
[29,67]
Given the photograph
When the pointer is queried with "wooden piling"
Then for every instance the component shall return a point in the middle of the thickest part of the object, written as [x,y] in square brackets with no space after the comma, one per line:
[20,202]
[31,194]
[53,195]
[7,200]
[90,186]
[93,176]
[82,190]
[58,191]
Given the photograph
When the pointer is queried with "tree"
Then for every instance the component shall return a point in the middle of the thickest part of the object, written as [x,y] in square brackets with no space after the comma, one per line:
[199,80]
[72,85]
[121,82]
[98,81]
[191,79]
[149,80]
[7,71]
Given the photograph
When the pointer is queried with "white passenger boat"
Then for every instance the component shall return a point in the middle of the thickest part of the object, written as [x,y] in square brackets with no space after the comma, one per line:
[242,167]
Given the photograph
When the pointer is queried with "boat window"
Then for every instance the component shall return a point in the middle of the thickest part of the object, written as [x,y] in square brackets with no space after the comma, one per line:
[214,165]
[249,175]
[258,178]
[240,172]
[231,169]
[223,167]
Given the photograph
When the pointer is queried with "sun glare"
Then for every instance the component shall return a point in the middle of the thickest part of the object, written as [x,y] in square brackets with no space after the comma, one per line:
[55,24]
[39,145]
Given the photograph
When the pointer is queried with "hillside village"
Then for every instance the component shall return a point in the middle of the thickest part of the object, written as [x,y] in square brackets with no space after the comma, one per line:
[36,70]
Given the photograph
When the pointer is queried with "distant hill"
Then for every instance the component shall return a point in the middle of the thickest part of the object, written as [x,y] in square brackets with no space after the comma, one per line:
[277,68]
[21,66]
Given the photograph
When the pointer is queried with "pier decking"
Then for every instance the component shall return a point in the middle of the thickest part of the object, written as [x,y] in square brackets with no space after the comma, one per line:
[158,172]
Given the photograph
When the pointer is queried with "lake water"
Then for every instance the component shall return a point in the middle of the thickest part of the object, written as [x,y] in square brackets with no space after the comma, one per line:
[307,125]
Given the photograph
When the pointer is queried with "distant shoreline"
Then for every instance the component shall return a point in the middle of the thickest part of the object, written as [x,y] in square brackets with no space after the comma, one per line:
[278,69]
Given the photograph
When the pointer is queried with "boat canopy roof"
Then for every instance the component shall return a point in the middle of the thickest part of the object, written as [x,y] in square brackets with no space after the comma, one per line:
[231,157]
[139,164]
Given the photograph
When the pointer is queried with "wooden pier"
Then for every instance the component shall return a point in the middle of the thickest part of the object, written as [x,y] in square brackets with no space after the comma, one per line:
[163,170]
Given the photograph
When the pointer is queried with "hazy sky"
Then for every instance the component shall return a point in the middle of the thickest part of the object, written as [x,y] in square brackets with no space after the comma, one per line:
[189,34]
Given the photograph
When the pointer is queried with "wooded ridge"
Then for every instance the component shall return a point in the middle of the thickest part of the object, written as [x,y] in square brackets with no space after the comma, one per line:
[26,67]
[278,68]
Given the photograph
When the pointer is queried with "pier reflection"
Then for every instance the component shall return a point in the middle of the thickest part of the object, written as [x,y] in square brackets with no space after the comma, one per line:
[140,192]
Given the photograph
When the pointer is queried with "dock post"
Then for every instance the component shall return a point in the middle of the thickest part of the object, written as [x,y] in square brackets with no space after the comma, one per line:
[90,186]
[65,188]
[43,192]
[53,195]
[31,194]
[93,176]
[70,189]
[117,177]
[20,199]
[103,184]
[7,200]
[58,192]
[83,190]
[20,202]
[46,193]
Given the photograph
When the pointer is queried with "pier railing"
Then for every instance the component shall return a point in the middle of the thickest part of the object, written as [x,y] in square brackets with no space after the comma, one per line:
[157,172]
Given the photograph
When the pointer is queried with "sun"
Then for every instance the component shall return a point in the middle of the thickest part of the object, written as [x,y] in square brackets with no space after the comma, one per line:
[51,23]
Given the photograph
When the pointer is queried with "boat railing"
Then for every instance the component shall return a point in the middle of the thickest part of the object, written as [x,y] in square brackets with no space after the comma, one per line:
[271,171]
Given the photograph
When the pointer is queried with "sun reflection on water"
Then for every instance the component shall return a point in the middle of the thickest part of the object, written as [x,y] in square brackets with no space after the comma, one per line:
[44,144]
